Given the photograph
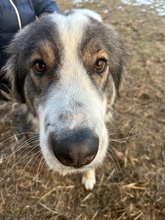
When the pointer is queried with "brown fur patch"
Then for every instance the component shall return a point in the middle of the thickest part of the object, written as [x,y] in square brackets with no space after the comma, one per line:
[46,54]
[90,56]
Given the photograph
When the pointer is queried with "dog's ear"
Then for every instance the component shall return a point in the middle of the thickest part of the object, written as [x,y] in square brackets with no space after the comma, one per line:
[91,14]
[117,54]
[87,12]
[15,67]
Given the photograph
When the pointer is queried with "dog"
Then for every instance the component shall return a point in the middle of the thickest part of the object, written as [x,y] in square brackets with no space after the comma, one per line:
[67,68]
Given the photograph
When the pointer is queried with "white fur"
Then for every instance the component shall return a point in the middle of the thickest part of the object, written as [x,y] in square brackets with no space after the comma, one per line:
[89,179]
[89,13]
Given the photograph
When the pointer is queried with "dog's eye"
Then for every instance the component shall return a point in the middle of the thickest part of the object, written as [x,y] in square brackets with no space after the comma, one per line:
[39,67]
[100,65]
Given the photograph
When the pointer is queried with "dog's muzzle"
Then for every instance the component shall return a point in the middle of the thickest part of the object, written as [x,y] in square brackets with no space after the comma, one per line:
[76,149]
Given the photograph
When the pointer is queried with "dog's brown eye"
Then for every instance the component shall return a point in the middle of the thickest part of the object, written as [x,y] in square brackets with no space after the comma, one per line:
[100,65]
[39,67]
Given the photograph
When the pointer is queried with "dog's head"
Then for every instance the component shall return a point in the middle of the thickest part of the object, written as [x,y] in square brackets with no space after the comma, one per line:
[67,69]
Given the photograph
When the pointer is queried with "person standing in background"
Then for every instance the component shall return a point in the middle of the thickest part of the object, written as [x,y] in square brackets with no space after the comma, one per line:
[14,15]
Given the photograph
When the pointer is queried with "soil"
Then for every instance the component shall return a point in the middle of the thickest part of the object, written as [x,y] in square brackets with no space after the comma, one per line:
[131,182]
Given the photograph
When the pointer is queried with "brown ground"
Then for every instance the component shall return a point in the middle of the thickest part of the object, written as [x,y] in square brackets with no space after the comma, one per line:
[131,183]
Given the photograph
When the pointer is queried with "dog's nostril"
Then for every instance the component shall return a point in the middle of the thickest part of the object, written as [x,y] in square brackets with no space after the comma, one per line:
[66,161]
[78,149]
[89,159]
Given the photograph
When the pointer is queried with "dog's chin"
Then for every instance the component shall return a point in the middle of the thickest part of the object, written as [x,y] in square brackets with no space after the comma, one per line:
[64,170]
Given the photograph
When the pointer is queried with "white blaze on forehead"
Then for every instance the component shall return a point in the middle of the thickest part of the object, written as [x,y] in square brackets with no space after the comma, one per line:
[70,29]
[71,32]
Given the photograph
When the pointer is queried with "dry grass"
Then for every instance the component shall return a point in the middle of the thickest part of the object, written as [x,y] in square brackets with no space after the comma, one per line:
[130,184]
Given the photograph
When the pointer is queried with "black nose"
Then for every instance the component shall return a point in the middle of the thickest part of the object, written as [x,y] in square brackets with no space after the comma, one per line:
[77,149]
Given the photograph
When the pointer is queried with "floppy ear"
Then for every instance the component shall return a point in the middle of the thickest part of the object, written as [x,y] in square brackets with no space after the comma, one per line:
[117,54]
[15,67]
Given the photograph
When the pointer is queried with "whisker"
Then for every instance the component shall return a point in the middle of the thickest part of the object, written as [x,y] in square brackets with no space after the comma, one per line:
[125,139]
[15,136]
[18,162]
[47,172]
[114,160]
[40,166]
[29,161]
[19,147]
[114,130]
[36,157]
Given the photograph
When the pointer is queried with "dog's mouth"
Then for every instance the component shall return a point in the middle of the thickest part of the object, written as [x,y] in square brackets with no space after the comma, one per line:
[77,149]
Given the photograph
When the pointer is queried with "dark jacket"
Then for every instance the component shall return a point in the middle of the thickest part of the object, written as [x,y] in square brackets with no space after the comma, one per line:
[15,14]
